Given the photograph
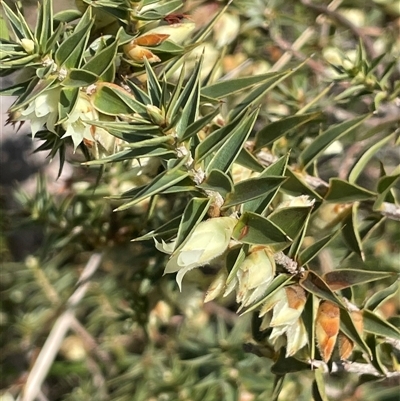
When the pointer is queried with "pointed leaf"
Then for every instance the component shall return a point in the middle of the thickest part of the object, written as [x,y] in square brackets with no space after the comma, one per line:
[382,296]
[193,214]
[308,155]
[282,127]
[252,188]
[375,325]
[68,99]
[254,229]
[223,89]
[79,77]
[348,327]
[214,140]
[342,191]
[363,161]
[312,251]
[247,160]
[102,61]
[344,278]
[290,219]
[198,125]
[313,283]
[111,99]
[70,52]
[44,24]
[385,185]
[295,186]
[351,232]
[227,153]
[318,386]
[217,181]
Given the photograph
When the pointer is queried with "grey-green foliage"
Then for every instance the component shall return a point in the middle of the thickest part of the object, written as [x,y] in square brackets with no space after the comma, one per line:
[227,175]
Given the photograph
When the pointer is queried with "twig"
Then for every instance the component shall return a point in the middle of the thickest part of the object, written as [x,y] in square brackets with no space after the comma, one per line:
[357,32]
[50,348]
[289,264]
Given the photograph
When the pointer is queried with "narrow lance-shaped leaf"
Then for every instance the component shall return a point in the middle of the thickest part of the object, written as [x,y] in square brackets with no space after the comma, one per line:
[223,89]
[308,155]
[385,185]
[252,188]
[349,328]
[344,278]
[193,214]
[257,230]
[351,233]
[342,191]
[249,161]
[228,152]
[198,125]
[17,22]
[153,86]
[290,219]
[375,325]
[214,140]
[313,283]
[44,24]
[312,251]
[70,52]
[259,205]
[363,161]
[166,231]
[277,129]
[80,78]
[382,296]
[318,386]
[217,181]
[101,61]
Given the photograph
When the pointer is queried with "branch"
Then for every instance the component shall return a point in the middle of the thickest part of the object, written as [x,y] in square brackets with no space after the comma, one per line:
[50,348]
[356,31]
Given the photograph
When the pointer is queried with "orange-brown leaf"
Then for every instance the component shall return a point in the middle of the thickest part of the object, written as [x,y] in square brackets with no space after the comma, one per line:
[152,39]
[327,328]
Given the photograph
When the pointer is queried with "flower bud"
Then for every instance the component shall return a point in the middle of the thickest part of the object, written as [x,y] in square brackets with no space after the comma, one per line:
[156,115]
[217,286]
[28,45]
[178,33]
[138,53]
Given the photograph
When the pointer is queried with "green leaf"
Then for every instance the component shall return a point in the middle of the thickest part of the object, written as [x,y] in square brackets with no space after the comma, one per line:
[317,146]
[379,297]
[101,62]
[70,52]
[309,316]
[166,231]
[298,240]
[351,233]
[341,192]
[198,125]
[252,188]
[290,219]
[112,100]
[260,205]
[159,11]
[256,94]
[193,214]
[67,16]
[295,186]
[79,77]
[373,345]
[375,325]
[153,86]
[318,386]
[257,230]
[349,329]
[344,278]
[363,161]
[247,160]
[217,181]
[44,24]
[190,110]
[385,184]
[4,34]
[68,99]
[313,283]
[227,153]
[214,140]
[223,89]
[17,21]
[157,185]
[312,251]
[275,130]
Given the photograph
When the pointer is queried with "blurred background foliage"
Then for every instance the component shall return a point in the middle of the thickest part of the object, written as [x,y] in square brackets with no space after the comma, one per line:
[134,335]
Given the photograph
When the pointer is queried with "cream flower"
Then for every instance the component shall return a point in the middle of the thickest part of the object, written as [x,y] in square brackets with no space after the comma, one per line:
[43,110]
[209,240]
[75,126]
